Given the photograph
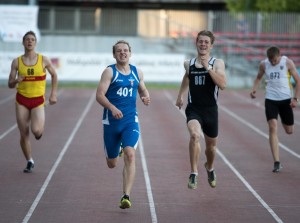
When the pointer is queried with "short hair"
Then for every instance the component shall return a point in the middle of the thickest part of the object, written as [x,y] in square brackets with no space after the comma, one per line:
[206,33]
[29,33]
[272,52]
[121,41]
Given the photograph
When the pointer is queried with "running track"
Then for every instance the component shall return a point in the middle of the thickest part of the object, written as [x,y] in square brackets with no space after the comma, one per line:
[71,182]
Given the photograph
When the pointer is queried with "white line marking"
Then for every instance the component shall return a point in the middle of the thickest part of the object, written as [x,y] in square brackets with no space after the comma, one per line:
[250,188]
[235,171]
[7,99]
[58,160]
[15,125]
[256,103]
[8,131]
[257,130]
[147,181]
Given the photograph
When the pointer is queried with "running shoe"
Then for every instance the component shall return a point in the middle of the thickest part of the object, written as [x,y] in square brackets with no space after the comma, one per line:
[121,151]
[192,181]
[29,167]
[211,177]
[125,202]
[277,167]
[39,137]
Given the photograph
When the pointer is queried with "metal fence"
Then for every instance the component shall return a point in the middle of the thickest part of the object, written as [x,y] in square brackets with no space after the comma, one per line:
[160,23]
[241,37]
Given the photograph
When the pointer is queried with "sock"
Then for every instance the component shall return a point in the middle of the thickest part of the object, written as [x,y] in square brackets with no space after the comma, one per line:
[125,196]
[30,160]
[210,169]
[194,173]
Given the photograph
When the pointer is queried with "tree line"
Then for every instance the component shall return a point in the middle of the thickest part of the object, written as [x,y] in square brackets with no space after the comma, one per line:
[263,5]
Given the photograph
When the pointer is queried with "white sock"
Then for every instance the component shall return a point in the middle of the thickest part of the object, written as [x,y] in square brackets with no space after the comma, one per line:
[31,160]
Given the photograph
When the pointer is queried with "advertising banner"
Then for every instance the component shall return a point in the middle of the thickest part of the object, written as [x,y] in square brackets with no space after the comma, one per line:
[89,66]
[16,20]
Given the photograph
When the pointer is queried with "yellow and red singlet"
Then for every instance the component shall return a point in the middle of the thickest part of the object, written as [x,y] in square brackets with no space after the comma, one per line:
[34,83]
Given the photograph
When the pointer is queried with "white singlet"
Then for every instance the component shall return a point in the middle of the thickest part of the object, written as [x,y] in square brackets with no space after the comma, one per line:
[278,84]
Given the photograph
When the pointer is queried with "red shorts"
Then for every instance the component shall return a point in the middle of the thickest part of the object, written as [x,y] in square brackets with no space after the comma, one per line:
[30,103]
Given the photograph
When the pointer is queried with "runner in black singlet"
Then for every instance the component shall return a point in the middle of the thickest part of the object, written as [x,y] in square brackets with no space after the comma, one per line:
[204,76]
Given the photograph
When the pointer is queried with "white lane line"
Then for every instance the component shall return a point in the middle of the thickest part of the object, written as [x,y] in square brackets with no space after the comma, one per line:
[250,188]
[15,125]
[249,100]
[257,130]
[236,172]
[58,160]
[256,103]
[7,99]
[8,131]
[147,181]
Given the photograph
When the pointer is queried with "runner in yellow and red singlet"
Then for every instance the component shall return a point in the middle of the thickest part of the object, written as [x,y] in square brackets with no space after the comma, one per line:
[28,75]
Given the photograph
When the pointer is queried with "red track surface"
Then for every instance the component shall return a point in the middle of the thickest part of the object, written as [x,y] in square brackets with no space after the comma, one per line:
[71,182]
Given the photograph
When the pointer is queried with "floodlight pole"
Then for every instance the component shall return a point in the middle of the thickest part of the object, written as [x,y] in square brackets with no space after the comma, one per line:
[31,2]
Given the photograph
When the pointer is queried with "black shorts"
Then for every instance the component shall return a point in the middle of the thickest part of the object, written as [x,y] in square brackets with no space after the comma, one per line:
[283,108]
[206,116]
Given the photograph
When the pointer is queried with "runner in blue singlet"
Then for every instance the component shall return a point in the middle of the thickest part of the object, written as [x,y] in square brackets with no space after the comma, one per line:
[116,92]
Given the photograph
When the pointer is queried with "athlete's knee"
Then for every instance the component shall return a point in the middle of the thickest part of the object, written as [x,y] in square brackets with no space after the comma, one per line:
[195,137]
[129,154]
[272,125]
[289,131]
[211,148]
[37,132]
[38,137]
[111,163]
[24,134]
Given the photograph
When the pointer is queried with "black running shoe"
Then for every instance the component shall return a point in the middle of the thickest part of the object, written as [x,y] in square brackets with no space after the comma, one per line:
[125,202]
[211,177]
[29,167]
[39,137]
[277,167]
[192,181]
[121,151]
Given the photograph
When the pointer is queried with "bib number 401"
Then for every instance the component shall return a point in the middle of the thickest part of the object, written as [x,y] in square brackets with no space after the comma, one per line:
[125,92]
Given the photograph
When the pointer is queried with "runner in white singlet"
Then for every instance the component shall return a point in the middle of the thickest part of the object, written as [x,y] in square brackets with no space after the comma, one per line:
[279,98]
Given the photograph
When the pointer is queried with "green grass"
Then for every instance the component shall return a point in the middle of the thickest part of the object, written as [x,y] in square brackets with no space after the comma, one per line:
[76,84]
[150,85]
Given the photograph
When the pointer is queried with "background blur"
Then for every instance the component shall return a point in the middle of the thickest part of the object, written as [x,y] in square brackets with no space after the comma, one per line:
[78,35]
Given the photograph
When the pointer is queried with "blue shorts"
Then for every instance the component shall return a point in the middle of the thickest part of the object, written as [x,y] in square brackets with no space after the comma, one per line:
[114,135]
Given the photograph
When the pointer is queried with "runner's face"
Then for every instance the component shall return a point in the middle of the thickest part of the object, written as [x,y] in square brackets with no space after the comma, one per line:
[274,60]
[29,42]
[203,45]
[122,53]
